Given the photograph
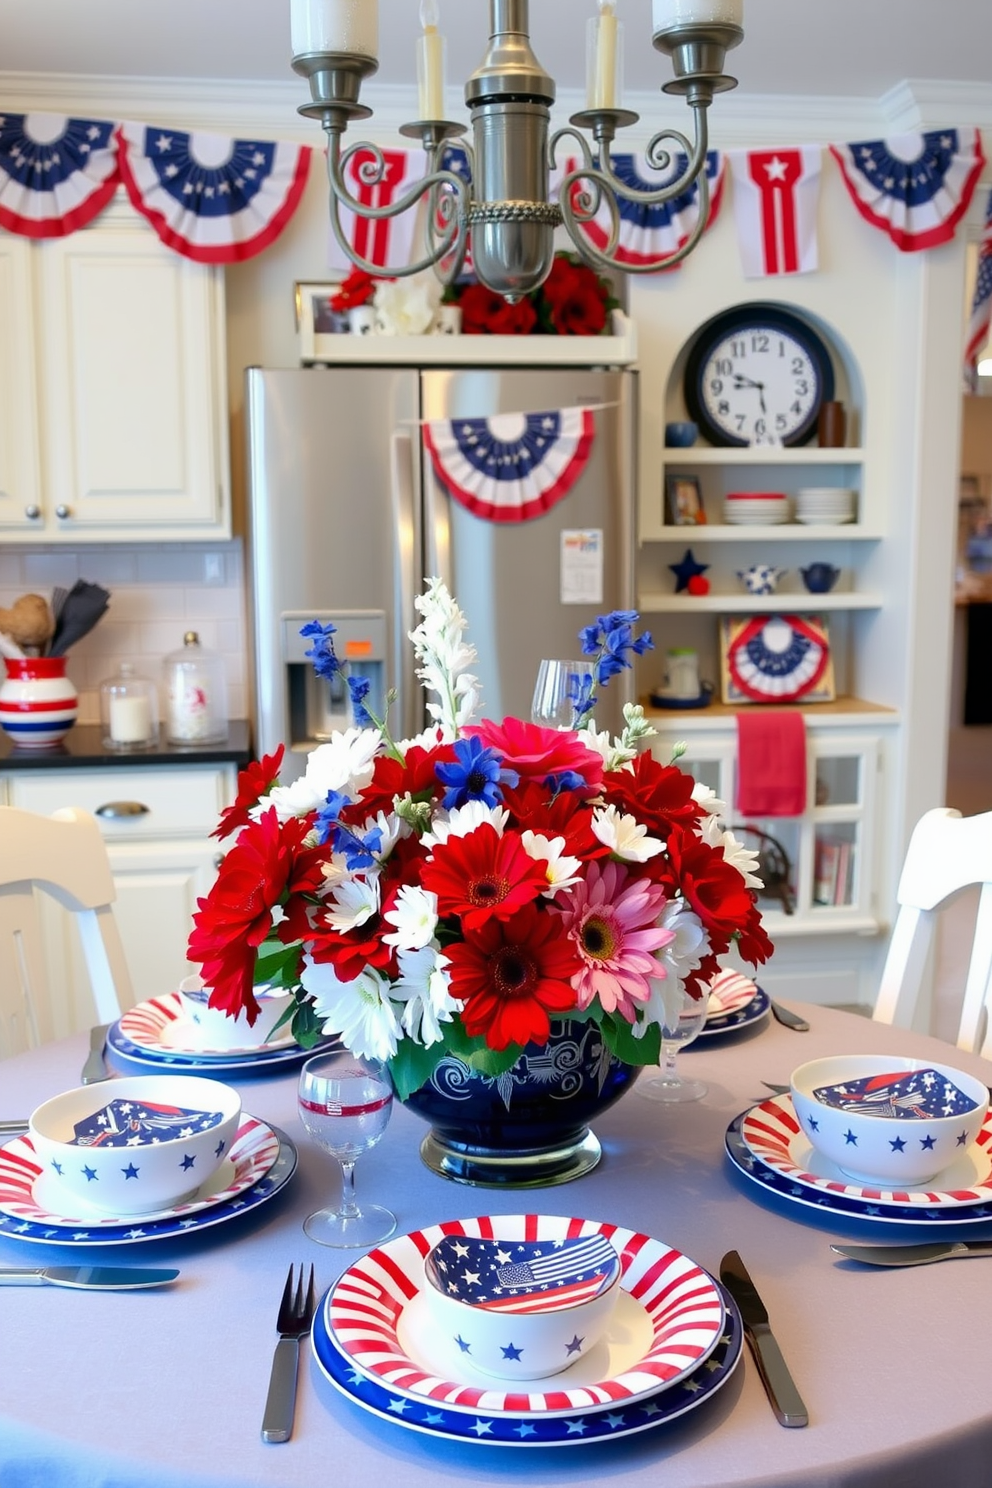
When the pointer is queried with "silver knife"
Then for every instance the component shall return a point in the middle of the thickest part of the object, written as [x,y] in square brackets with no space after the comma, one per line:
[13,1128]
[786,1401]
[914,1255]
[95,1068]
[789,1019]
[85,1278]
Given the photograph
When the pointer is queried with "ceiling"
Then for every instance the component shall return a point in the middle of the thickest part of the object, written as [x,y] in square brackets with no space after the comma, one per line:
[840,48]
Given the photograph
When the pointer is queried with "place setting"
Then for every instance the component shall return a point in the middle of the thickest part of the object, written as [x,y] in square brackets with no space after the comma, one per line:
[137,1159]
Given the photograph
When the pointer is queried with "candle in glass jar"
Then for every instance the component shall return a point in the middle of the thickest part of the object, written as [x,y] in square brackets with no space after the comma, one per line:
[130,719]
[430,64]
[603,55]
[335,26]
[668,14]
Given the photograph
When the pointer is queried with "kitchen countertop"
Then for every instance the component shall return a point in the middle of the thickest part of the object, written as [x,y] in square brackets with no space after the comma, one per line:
[83,749]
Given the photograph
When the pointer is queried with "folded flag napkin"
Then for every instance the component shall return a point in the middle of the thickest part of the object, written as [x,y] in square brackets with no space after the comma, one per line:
[771,763]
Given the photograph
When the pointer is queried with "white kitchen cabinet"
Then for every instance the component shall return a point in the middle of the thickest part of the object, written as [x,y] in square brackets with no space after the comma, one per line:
[156,821]
[122,386]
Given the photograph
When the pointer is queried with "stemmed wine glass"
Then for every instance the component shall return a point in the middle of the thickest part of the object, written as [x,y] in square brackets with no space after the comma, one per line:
[670,1084]
[556,693]
[345,1103]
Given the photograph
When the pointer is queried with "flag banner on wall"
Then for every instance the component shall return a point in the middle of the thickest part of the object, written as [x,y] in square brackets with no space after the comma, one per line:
[648,232]
[455,158]
[383,241]
[915,187]
[981,303]
[213,199]
[56,173]
[513,466]
[776,197]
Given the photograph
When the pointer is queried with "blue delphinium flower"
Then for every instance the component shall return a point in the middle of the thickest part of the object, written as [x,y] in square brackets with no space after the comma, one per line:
[359,850]
[475,774]
[359,687]
[611,641]
[322,653]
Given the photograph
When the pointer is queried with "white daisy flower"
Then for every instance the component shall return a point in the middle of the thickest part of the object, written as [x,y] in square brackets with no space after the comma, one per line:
[343,764]
[683,953]
[744,859]
[463,820]
[359,1011]
[624,835]
[424,985]
[352,902]
[415,918]
[562,870]
[708,799]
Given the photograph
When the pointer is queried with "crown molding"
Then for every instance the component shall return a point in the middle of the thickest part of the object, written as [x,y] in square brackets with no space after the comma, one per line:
[259,107]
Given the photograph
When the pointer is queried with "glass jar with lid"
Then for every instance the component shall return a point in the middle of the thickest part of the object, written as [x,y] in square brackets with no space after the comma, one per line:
[129,710]
[196,694]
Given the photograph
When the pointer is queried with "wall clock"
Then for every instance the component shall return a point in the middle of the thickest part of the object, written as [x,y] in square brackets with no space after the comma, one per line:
[757,374]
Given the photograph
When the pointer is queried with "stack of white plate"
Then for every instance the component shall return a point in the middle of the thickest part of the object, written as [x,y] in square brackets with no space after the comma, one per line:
[825,504]
[755,508]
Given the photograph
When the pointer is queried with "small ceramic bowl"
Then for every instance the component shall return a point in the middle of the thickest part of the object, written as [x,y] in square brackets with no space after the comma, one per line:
[523,1309]
[888,1120]
[211,1028]
[681,434]
[135,1145]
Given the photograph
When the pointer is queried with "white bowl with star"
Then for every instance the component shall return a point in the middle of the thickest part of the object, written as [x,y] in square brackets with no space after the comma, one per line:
[522,1309]
[887,1120]
[135,1145]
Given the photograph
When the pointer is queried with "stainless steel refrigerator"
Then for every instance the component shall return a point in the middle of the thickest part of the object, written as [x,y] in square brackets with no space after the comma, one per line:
[347,517]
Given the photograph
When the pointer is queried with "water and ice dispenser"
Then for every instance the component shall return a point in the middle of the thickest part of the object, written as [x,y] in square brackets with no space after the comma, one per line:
[316,706]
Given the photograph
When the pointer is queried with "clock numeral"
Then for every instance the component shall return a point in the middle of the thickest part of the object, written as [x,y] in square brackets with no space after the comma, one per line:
[759,427]
[780,421]
[796,407]
[760,342]
[738,349]
[716,386]
[802,388]
[723,406]
[724,367]
[781,348]
[740,419]
[798,366]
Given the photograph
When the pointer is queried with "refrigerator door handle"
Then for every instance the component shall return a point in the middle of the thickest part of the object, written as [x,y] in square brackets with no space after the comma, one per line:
[406,547]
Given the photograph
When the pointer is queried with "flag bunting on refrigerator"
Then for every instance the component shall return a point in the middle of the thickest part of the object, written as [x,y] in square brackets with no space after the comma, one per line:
[381,241]
[648,232]
[776,196]
[213,199]
[981,304]
[56,173]
[511,467]
[914,187]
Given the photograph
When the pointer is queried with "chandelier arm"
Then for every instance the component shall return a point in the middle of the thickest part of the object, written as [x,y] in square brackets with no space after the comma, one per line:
[454,236]
[605,259]
[659,158]
[447,256]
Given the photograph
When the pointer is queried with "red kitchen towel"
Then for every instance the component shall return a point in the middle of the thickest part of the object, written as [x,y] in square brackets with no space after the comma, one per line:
[771,763]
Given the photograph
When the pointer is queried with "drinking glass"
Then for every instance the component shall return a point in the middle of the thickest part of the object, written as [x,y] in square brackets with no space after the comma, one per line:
[345,1104]
[558,684]
[670,1084]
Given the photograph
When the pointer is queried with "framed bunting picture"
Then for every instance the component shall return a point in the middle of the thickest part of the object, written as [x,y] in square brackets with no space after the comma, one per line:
[775,659]
[684,501]
[315,316]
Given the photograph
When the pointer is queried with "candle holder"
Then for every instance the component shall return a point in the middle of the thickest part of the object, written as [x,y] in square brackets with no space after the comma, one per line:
[129,710]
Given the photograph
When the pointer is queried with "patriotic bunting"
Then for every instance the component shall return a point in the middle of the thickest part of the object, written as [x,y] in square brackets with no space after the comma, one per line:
[382,241]
[514,466]
[57,173]
[915,187]
[648,233]
[981,303]
[776,195]
[212,199]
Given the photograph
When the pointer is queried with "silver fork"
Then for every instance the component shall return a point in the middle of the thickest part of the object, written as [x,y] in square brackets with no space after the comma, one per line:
[293,1323]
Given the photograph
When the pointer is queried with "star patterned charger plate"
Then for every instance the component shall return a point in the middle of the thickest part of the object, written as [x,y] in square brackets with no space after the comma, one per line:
[261,1162]
[669,1318]
[741,1016]
[160,1026]
[772,1132]
[620,1419]
[846,1199]
[258,1061]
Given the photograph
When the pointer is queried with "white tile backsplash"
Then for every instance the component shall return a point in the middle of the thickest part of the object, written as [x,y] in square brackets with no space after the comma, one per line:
[157,594]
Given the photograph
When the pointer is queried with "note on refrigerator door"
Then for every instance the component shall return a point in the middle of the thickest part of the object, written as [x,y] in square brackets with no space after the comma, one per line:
[582,565]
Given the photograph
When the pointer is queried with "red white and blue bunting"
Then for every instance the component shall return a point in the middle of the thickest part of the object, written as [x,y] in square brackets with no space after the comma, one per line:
[914,187]
[511,467]
[56,173]
[981,301]
[213,199]
[647,232]
[776,196]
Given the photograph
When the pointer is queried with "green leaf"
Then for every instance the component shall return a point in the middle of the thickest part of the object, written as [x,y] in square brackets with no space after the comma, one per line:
[412,1065]
[618,1036]
[307,1026]
[277,965]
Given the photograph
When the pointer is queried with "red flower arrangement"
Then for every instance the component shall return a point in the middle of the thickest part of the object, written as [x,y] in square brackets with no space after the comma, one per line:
[455,893]
[573,301]
[357,289]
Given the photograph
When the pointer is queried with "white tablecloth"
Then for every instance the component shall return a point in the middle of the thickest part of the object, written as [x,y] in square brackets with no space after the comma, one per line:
[161,1388]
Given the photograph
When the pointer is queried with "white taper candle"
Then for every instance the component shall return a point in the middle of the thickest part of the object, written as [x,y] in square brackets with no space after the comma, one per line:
[602,89]
[334,26]
[430,64]
[668,14]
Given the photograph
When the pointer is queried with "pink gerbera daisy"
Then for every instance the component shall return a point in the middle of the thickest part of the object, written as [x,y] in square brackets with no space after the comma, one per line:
[611,919]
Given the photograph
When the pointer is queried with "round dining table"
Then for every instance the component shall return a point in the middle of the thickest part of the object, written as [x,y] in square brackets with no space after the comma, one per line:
[166,1387]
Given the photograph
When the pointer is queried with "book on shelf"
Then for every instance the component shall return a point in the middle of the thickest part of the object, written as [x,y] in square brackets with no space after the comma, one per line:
[842,888]
[826,871]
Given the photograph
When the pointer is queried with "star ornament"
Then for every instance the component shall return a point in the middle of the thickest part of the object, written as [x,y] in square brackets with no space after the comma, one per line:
[686,571]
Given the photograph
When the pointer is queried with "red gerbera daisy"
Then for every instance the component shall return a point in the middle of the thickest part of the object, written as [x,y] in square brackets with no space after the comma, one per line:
[660,796]
[254,782]
[482,875]
[565,815]
[712,886]
[391,778]
[513,976]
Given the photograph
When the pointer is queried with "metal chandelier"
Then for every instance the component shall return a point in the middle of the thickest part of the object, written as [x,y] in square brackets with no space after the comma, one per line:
[505,213]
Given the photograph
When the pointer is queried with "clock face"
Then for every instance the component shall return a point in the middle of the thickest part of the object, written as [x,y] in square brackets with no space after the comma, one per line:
[757,375]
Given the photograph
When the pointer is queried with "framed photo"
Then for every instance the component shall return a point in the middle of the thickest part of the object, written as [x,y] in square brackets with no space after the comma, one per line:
[684,501]
[315,319]
[775,659]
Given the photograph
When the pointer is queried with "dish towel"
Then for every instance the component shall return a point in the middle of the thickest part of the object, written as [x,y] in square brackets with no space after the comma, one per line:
[771,763]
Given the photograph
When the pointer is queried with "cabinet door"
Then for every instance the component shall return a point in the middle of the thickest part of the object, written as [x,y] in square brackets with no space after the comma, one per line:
[158,885]
[133,403]
[20,487]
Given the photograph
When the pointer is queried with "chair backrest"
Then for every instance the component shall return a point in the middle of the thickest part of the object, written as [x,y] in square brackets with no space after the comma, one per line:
[64,856]
[947,853]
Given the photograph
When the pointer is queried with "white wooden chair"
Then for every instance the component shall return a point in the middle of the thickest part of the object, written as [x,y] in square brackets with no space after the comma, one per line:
[64,856]
[947,853]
